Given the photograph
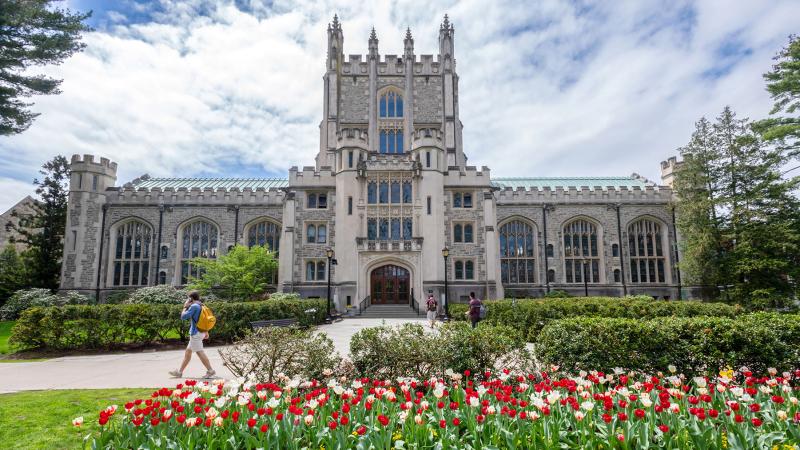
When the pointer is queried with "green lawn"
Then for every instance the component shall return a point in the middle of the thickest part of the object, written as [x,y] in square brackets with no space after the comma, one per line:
[43,419]
[5,333]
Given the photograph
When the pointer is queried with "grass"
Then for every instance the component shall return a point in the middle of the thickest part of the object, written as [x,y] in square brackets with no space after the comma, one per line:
[5,333]
[43,419]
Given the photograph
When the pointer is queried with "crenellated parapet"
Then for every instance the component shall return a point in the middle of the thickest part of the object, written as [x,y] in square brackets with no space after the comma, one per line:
[393,162]
[584,194]
[427,137]
[467,176]
[132,195]
[87,163]
[423,65]
[310,177]
[352,138]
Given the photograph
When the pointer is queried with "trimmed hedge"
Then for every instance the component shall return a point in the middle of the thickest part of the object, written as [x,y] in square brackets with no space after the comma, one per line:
[694,345]
[74,327]
[531,315]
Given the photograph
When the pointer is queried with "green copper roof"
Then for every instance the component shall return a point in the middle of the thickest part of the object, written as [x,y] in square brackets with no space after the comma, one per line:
[213,183]
[567,182]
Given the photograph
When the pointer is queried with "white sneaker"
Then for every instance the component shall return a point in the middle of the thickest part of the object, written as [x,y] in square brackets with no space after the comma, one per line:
[211,373]
[176,373]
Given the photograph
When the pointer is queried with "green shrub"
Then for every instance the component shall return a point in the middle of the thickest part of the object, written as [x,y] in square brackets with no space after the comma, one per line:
[694,345]
[531,315]
[557,293]
[407,350]
[112,326]
[29,298]
[269,352]
[117,297]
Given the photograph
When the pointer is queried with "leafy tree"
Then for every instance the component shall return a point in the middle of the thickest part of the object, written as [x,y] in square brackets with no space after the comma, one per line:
[12,273]
[32,33]
[241,274]
[783,84]
[43,231]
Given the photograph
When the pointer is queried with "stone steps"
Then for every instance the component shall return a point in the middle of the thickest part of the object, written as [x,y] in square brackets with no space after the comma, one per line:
[390,312]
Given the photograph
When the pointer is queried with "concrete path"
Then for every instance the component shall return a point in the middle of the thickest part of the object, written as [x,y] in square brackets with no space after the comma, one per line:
[141,369]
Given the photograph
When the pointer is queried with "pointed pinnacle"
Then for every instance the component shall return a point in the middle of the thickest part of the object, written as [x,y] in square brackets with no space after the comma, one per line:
[408,34]
[335,19]
[372,34]
[446,22]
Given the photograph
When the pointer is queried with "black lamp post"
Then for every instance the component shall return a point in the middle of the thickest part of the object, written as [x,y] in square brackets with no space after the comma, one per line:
[585,263]
[445,254]
[331,261]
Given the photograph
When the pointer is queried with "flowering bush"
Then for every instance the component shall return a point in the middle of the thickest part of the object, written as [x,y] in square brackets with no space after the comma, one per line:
[291,351]
[696,345]
[504,410]
[408,350]
[531,315]
[29,298]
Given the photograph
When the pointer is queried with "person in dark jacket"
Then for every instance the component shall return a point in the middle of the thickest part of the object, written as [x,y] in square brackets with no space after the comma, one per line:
[474,309]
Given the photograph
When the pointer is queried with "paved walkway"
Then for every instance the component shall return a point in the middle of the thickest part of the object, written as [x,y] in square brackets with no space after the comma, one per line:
[141,369]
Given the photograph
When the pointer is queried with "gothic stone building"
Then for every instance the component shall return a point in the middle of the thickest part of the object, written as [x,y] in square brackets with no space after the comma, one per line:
[389,191]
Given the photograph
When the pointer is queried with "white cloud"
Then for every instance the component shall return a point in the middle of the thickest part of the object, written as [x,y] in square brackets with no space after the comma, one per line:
[579,88]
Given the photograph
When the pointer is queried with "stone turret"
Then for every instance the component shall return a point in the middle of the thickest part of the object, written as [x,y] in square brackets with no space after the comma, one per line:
[668,170]
[89,184]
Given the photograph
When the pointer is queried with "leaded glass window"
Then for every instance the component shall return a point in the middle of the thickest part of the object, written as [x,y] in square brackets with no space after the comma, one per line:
[517,254]
[265,234]
[389,206]
[581,252]
[646,251]
[199,239]
[131,260]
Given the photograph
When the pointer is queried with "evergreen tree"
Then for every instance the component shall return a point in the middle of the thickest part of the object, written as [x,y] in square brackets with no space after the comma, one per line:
[43,231]
[32,33]
[783,84]
[696,185]
[737,214]
[12,273]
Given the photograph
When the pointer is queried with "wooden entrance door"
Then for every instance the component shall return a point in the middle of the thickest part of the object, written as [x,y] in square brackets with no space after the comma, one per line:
[390,284]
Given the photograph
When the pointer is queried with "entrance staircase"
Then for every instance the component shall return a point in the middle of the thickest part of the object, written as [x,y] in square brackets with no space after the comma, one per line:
[391,311]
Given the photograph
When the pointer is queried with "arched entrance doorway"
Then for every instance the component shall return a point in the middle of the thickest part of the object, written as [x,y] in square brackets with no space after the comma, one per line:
[390,284]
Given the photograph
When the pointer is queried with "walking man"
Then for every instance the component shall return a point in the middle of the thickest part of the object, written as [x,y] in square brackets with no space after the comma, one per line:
[474,309]
[432,308]
[191,312]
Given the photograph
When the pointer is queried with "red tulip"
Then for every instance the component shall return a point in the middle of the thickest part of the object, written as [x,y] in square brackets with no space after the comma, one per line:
[332,424]
[663,428]
[456,422]
[361,430]
[442,423]
[639,413]
[383,420]
[251,422]
[756,421]
[264,428]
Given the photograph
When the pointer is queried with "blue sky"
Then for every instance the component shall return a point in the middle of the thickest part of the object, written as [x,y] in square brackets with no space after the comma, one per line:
[234,88]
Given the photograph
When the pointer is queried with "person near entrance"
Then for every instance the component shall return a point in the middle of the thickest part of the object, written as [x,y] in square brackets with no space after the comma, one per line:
[474,311]
[191,312]
[433,308]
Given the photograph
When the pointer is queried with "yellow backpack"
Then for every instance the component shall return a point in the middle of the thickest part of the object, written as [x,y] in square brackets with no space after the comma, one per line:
[206,321]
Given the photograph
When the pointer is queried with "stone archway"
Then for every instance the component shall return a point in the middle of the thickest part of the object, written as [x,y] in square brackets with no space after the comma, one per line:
[390,284]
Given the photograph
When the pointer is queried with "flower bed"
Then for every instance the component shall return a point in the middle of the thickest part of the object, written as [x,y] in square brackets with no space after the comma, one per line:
[504,410]
[531,315]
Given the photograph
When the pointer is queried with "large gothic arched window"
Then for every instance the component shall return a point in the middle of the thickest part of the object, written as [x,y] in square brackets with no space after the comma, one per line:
[517,261]
[581,252]
[265,234]
[646,251]
[131,259]
[199,239]
[391,105]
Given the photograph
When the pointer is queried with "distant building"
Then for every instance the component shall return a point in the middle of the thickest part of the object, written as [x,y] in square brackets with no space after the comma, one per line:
[23,208]
[389,191]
